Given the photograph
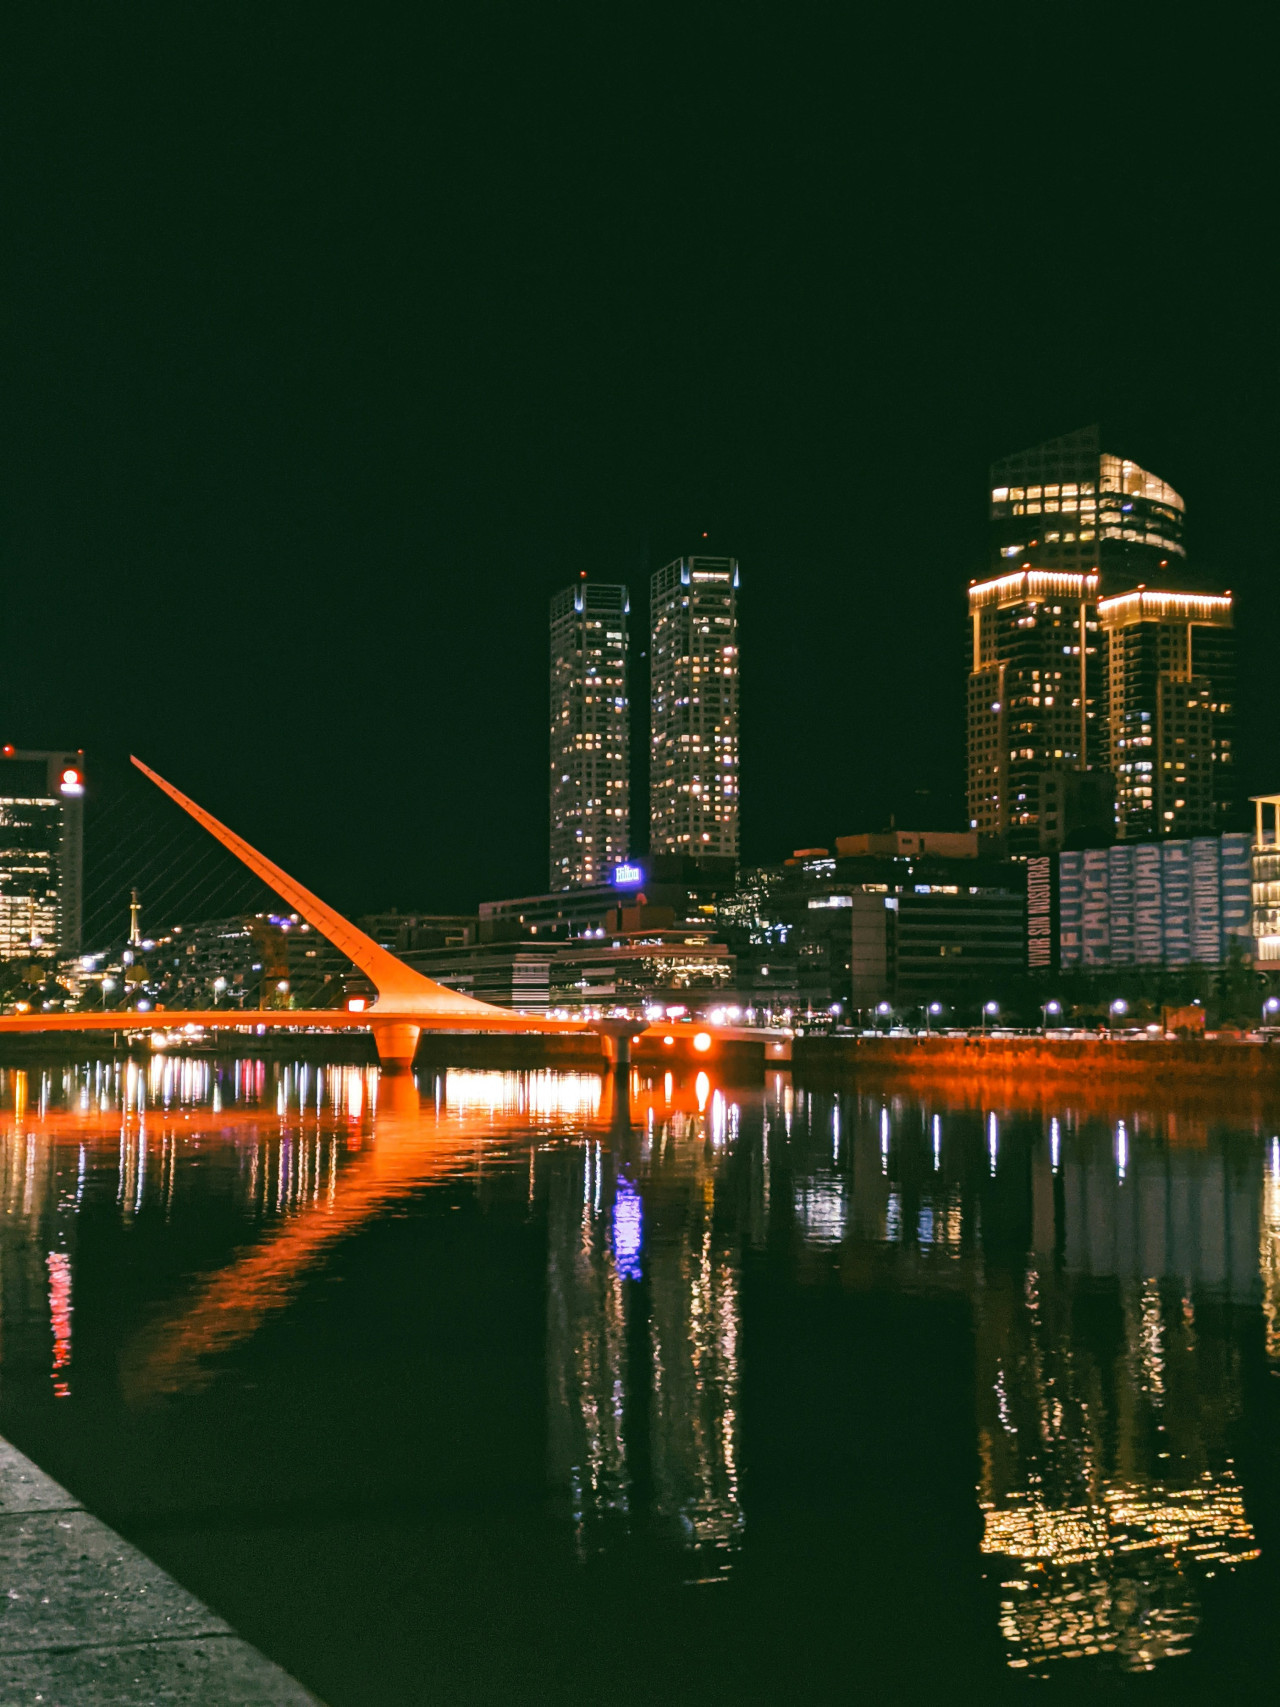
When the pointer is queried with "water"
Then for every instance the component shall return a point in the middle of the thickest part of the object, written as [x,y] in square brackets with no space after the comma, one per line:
[485,1389]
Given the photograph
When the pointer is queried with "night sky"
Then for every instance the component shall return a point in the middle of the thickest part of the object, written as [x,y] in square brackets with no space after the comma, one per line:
[335,341]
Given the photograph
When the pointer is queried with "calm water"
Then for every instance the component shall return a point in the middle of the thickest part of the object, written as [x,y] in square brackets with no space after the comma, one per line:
[483,1389]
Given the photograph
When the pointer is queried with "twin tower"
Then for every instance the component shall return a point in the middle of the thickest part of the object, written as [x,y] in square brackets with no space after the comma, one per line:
[693,720]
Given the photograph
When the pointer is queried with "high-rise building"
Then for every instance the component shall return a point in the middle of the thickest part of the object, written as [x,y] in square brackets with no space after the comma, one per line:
[1170,674]
[1063,706]
[1266,879]
[41,852]
[590,750]
[1069,505]
[693,742]
[1035,696]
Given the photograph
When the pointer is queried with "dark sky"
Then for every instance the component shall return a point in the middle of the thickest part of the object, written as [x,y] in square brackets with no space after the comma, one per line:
[335,340]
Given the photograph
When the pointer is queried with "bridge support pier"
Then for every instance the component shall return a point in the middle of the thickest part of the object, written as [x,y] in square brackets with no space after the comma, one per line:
[618,1035]
[397,1044]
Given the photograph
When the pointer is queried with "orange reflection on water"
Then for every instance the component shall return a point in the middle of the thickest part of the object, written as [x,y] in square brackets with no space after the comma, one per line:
[325,1149]
[409,1142]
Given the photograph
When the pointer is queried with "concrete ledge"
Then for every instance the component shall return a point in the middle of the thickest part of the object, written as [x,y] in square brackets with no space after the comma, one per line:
[219,1671]
[86,1618]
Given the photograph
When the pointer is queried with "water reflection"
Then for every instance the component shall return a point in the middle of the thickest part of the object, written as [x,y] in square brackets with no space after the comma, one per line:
[1118,1268]
[1106,1270]
[643,1331]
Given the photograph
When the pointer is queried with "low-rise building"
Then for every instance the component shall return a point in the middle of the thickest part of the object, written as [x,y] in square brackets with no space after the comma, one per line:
[903,916]
[685,886]
[949,943]
[401,931]
[1180,902]
[632,970]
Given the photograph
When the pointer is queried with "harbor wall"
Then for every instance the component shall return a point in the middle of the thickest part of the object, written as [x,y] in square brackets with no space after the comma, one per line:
[1166,1061]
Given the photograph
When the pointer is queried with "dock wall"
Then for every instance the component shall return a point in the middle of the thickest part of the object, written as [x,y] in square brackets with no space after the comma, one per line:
[1077,1060]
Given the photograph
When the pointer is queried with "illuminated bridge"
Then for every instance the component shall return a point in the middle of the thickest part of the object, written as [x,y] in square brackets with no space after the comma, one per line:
[407,1004]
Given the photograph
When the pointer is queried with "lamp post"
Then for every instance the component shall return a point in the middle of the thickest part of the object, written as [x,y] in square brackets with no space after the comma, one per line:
[1054,1008]
[1270,1008]
[989,1011]
[883,1010]
[933,1010]
[1118,1009]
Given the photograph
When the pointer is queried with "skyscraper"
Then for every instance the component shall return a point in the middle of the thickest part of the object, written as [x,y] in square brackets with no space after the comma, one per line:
[590,778]
[1063,706]
[693,741]
[1170,672]
[41,852]
[1035,691]
[1068,504]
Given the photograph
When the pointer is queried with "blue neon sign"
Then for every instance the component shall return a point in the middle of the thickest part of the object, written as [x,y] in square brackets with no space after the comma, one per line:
[627,876]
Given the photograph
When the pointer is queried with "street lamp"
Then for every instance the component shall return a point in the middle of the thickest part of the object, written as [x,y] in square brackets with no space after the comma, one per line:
[932,1011]
[1054,1008]
[1118,1010]
[989,1011]
[1270,1008]
[884,1009]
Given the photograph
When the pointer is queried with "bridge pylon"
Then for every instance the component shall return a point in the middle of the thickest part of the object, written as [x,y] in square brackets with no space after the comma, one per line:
[397,1044]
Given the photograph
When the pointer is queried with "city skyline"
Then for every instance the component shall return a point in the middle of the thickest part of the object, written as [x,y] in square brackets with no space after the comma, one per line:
[1067,797]
[286,522]
[639,854]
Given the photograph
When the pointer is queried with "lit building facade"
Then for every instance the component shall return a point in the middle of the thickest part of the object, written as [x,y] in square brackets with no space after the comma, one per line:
[590,749]
[1170,689]
[1069,505]
[628,968]
[41,852]
[1168,903]
[1266,879]
[693,744]
[1035,697]
[904,916]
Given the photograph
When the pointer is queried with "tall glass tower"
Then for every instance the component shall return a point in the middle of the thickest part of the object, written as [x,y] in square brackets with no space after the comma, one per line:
[693,740]
[1170,662]
[41,853]
[1035,692]
[590,750]
[1076,529]
[1068,504]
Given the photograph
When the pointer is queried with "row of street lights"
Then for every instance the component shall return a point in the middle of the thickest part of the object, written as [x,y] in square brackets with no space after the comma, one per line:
[1052,1010]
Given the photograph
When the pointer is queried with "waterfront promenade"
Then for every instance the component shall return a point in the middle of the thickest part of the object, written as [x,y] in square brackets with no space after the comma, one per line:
[86,1619]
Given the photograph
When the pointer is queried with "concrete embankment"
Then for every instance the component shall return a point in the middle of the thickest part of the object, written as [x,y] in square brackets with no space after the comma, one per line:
[87,1619]
[1162,1061]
